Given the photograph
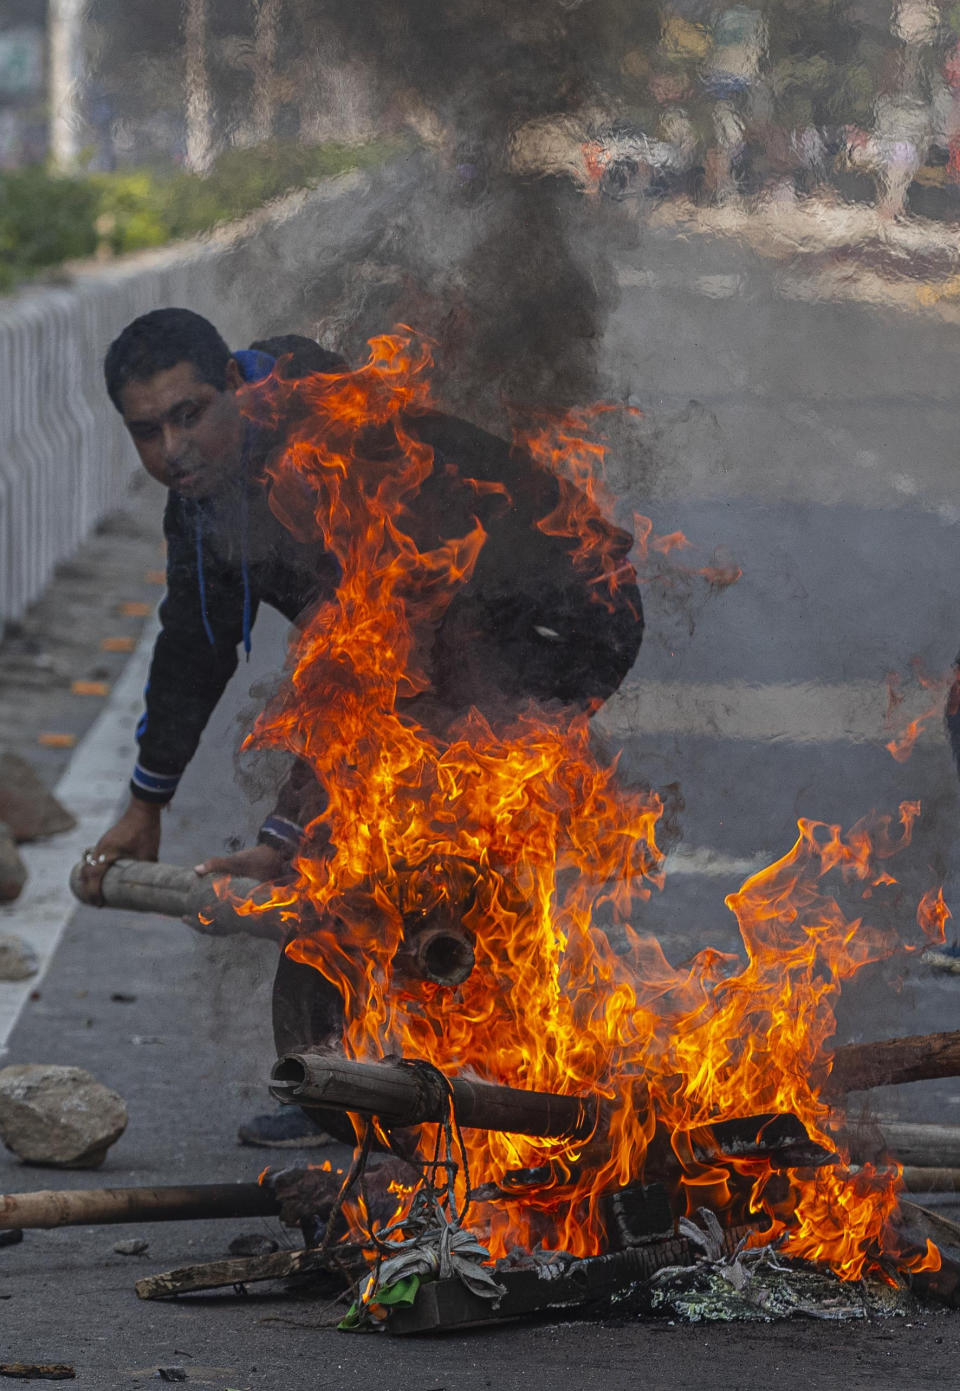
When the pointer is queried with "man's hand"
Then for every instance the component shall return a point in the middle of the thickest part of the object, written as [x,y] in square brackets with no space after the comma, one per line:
[136,836]
[259,862]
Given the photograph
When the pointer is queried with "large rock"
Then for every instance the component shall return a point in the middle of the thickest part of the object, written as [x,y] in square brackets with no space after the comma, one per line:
[58,1115]
[13,872]
[18,960]
[25,804]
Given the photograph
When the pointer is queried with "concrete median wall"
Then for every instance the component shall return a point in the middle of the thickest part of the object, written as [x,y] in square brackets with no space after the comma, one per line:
[64,456]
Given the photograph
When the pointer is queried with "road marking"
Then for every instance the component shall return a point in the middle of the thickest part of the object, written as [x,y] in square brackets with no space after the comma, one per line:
[703,863]
[92,788]
[806,712]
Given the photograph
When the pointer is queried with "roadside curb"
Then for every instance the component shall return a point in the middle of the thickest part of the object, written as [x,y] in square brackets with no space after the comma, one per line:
[91,789]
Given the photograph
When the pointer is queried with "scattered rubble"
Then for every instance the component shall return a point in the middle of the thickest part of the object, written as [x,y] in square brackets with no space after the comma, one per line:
[60,1116]
[27,808]
[18,960]
[13,872]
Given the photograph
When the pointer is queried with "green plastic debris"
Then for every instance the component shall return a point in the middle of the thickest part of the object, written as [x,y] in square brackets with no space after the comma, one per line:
[400,1293]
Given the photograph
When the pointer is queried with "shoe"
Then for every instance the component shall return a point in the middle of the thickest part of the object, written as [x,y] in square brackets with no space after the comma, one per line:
[288,1129]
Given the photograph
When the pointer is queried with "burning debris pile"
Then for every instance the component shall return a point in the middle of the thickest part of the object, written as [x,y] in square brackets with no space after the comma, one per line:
[538,1099]
[551,1093]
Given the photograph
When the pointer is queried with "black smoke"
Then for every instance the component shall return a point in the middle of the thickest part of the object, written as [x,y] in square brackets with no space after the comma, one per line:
[515,283]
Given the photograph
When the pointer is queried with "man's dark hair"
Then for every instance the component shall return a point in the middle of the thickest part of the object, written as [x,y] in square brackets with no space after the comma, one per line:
[159,340]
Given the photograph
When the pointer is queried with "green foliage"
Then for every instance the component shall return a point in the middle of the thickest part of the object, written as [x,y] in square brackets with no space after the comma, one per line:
[43,220]
[47,218]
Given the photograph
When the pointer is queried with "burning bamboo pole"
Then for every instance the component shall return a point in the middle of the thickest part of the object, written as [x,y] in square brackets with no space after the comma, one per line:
[402,1094]
[209,903]
[437,951]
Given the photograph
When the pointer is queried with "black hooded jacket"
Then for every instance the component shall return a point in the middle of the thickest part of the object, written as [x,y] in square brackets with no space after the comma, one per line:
[528,623]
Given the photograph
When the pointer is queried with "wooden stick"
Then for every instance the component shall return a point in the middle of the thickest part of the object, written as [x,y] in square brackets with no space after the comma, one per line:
[96,1206]
[929,1146]
[932,1226]
[918,1179]
[859,1066]
[278,1265]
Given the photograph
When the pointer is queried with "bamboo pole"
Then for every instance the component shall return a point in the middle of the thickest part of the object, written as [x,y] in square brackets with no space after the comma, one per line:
[102,1206]
[919,1057]
[929,1179]
[400,1094]
[925,1146]
[409,1093]
[213,904]
[209,903]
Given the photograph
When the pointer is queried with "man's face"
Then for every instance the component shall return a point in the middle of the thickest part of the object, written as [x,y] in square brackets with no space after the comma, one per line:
[188,434]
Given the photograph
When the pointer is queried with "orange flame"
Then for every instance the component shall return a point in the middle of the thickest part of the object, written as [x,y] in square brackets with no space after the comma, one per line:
[521,824]
[933,916]
[900,746]
[560,444]
[653,564]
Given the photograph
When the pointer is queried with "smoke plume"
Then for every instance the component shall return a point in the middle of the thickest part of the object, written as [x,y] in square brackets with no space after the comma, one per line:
[515,286]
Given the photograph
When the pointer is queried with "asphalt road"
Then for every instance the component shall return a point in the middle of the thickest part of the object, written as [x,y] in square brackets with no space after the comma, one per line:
[815,440]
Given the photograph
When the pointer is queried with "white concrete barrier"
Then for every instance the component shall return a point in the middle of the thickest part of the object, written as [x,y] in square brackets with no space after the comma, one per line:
[64,456]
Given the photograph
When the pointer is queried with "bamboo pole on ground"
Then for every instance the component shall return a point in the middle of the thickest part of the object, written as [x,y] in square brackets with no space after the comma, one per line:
[101,1206]
[891,1061]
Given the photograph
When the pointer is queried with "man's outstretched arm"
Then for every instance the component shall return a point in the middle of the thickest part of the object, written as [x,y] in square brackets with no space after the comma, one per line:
[193,659]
